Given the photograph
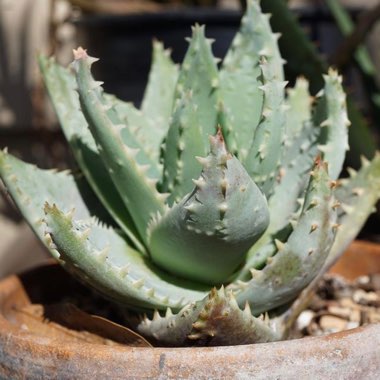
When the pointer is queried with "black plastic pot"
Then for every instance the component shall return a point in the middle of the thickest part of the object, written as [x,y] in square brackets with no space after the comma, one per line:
[124,43]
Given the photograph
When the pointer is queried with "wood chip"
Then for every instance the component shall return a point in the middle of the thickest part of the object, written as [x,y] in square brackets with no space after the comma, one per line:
[67,322]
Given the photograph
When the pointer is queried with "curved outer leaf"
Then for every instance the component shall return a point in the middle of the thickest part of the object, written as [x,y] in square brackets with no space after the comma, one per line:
[127,164]
[358,196]
[157,103]
[300,259]
[31,187]
[217,223]
[217,320]
[331,116]
[93,252]
[196,101]
[113,267]
[62,90]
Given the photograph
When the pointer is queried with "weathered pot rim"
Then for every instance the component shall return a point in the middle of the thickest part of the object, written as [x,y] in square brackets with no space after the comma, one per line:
[349,354]
[339,355]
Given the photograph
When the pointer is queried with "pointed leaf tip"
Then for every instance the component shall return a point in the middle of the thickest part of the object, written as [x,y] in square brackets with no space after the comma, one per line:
[217,143]
[320,163]
[80,53]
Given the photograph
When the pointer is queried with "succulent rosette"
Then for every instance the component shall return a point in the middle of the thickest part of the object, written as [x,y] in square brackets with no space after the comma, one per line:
[214,204]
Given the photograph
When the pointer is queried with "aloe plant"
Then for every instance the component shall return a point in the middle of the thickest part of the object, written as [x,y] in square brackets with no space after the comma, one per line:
[212,207]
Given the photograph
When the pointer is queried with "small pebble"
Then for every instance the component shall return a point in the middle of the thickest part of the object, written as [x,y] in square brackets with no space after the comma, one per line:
[342,312]
[341,305]
[352,325]
[305,319]
[375,281]
[366,298]
[363,282]
[330,323]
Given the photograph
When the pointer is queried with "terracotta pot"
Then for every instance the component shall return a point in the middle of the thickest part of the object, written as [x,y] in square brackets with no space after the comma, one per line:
[352,354]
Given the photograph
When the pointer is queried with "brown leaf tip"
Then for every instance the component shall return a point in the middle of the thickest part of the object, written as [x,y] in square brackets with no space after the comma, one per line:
[218,146]
[319,163]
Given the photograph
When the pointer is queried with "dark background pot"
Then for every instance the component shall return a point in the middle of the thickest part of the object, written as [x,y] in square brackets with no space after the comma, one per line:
[124,43]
